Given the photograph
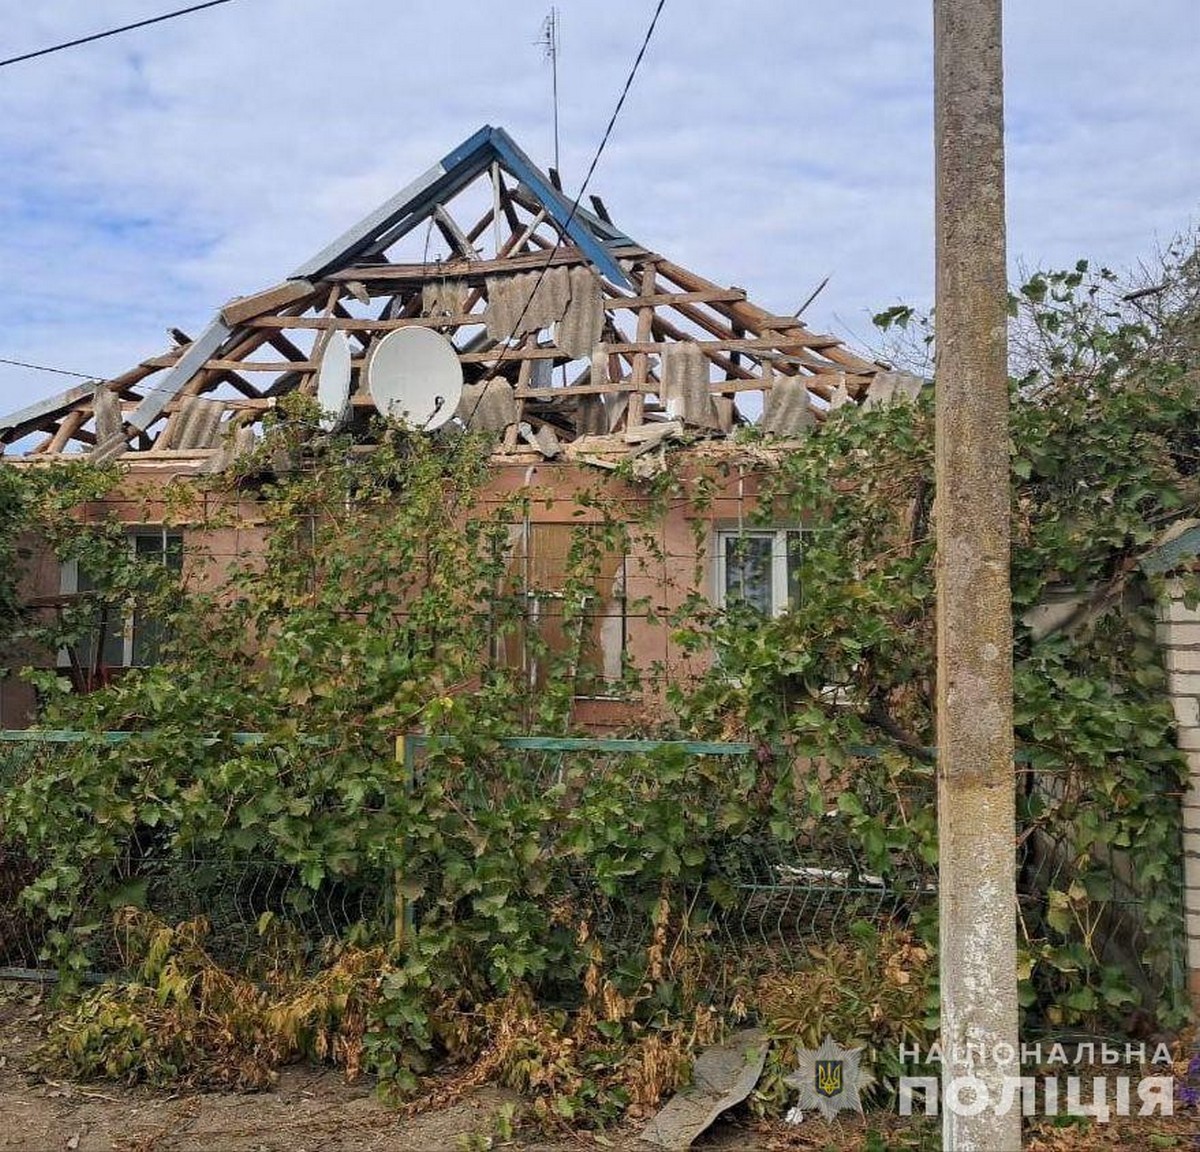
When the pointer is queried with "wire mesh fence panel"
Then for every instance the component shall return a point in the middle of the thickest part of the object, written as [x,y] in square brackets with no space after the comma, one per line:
[763,898]
[765,924]
[758,897]
[1066,891]
[258,910]
[782,907]
[22,930]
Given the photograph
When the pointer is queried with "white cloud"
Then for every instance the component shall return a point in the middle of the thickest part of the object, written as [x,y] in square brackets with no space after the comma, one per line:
[148,178]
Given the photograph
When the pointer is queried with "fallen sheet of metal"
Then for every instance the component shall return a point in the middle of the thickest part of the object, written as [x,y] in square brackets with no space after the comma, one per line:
[722,1077]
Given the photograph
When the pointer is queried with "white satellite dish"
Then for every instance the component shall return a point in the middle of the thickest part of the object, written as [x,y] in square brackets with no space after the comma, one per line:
[414,376]
[333,381]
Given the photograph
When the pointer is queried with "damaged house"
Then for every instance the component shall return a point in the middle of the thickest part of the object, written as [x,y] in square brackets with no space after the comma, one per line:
[479,297]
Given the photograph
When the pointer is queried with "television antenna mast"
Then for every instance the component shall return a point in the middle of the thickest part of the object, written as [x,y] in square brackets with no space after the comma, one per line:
[549,43]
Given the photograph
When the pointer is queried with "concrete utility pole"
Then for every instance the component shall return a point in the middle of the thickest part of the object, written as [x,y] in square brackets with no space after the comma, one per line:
[976,817]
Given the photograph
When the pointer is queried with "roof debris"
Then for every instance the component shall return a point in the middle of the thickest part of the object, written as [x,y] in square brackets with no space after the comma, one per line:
[568,333]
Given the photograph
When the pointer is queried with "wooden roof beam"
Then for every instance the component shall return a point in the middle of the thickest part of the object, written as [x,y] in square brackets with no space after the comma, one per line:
[45,413]
[481,227]
[709,348]
[753,318]
[662,327]
[454,235]
[203,378]
[471,270]
[245,308]
[506,200]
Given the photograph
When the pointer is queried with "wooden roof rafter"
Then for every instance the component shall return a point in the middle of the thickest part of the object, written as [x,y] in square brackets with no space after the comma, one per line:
[521,226]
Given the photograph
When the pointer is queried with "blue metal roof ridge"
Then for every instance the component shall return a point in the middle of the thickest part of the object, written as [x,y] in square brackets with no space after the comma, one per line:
[520,165]
[413,204]
[362,235]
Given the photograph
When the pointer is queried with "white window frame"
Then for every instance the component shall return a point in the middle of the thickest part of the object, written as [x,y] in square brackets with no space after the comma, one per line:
[68,581]
[780,593]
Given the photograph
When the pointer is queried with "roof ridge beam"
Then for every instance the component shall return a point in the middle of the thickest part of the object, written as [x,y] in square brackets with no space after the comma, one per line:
[404,211]
[422,192]
[560,209]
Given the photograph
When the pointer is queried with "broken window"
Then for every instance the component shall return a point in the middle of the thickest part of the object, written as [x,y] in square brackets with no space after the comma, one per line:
[759,568]
[568,591]
[120,634]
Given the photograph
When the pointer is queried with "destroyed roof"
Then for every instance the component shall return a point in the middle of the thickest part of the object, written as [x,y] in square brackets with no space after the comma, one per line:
[565,328]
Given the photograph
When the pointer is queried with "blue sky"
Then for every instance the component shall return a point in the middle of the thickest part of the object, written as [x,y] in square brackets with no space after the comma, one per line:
[146,179]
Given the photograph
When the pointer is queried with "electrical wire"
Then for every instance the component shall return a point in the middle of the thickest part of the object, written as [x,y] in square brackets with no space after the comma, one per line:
[612,120]
[110,32]
[139,391]
[44,368]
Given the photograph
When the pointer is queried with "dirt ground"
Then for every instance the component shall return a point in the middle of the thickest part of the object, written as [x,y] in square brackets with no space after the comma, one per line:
[314,1110]
[309,1110]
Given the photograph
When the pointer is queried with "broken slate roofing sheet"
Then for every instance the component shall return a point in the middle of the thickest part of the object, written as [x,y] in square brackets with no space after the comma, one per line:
[722,1076]
[564,328]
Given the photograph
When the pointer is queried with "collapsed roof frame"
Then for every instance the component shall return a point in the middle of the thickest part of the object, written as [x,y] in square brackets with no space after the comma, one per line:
[623,388]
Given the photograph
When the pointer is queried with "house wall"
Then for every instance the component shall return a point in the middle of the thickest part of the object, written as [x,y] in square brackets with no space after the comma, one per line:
[39,578]
[679,562]
[1179,635]
[661,574]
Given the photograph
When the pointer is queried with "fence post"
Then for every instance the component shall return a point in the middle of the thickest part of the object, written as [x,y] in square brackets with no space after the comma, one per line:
[402,908]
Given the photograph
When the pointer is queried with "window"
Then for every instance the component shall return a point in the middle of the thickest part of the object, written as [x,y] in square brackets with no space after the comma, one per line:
[589,637]
[118,636]
[759,568]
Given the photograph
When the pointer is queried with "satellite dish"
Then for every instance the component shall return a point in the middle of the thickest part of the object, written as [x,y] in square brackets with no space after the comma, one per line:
[414,376]
[333,381]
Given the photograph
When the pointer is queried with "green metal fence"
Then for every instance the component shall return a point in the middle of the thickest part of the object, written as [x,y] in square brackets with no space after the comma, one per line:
[785,897]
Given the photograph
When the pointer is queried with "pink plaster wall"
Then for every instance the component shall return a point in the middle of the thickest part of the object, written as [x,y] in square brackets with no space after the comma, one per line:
[553,488]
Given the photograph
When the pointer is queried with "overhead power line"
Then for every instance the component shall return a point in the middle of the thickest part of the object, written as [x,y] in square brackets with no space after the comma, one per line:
[633,71]
[110,32]
[571,216]
[44,368]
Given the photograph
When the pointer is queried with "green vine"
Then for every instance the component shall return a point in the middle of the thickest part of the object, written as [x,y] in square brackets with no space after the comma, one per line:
[385,587]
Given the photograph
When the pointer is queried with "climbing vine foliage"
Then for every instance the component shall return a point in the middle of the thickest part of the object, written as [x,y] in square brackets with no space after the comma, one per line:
[381,589]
